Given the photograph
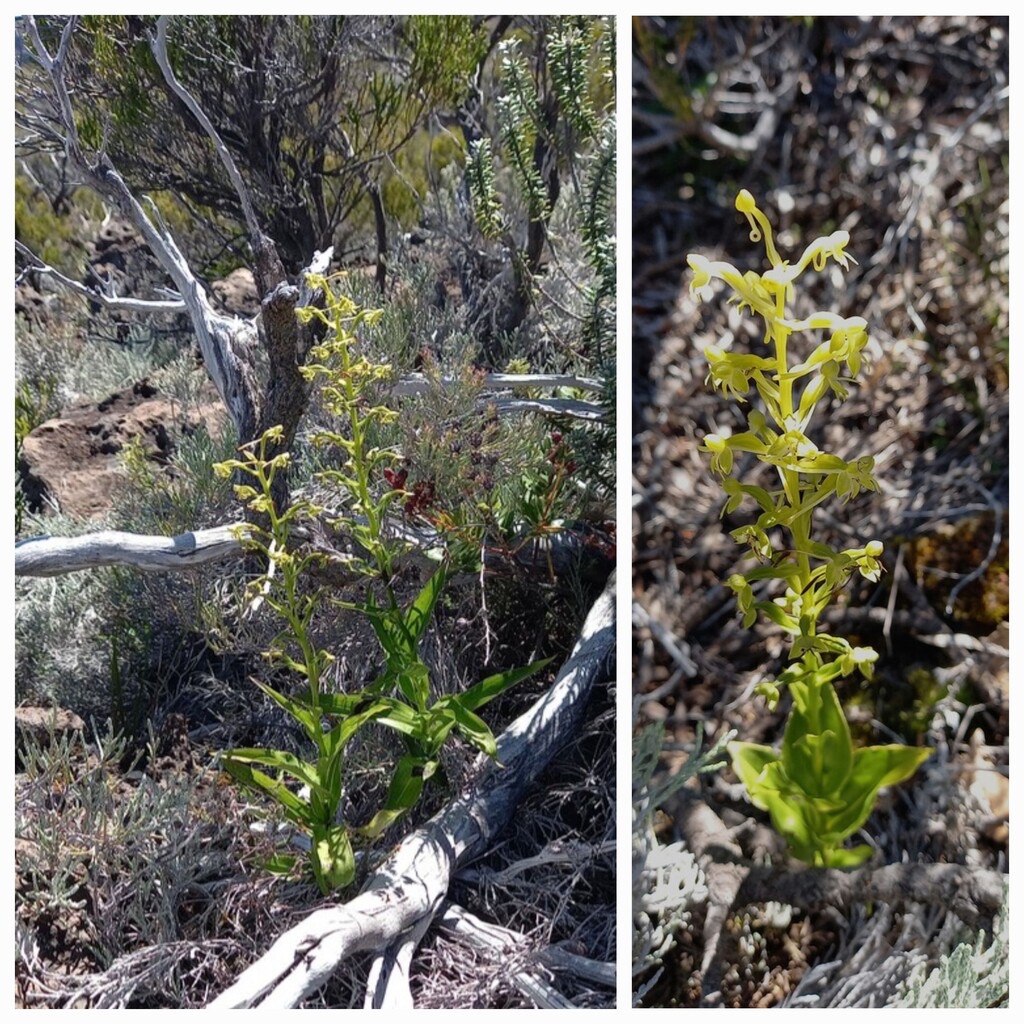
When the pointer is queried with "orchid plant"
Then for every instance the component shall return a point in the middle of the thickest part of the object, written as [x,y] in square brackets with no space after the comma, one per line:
[818,789]
[311,792]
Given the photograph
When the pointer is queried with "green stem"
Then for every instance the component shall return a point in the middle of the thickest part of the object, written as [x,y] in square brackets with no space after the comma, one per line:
[801,526]
[360,463]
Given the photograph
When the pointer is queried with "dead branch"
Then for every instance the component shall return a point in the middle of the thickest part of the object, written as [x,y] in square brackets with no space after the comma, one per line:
[387,987]
[598,972]
[975,895]
[228,344]
[507,947]
[418,384]
[54,556]
[104,298]
[504,947]
[709,840]
[159,48]
[287,391]
[667,129]
[411,884]
[571,407]
[552,555]
[225,342]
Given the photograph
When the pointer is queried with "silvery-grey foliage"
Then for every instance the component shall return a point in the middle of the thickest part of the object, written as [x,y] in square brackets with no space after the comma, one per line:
[971,976]
[667,880]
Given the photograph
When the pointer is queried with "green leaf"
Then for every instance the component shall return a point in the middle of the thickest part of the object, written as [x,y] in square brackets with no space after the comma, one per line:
[345,704]
[779,617]
[487,689]
[334,863]
[749,761]
[321,808]
[406,786]
[404,719]
[418,615]
[392,636]
[414,682]
[817,751]
[440,722]
[381,821]
[280,863]
[301,712]
[873,768]
[769,691]
[346,729]
[782,571]
[889,764]
[843,858]
[281,657]
[792,814]
[407,782]
[475,729]
[332,746]
[243,772]
[302,770]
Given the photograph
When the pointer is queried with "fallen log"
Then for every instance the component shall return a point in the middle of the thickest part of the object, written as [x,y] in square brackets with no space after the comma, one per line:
[975,895]
[54,556]
[552,555]
[412,882]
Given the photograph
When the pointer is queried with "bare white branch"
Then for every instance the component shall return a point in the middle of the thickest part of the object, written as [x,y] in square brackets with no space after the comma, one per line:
[95,295]
[54,556]
[417,383]
[575,408]
[503,946]
[572,407]
[387,985]
[223,341]
[54,67]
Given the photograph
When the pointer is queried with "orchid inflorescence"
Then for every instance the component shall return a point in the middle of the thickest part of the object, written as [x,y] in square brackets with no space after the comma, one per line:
[818,789]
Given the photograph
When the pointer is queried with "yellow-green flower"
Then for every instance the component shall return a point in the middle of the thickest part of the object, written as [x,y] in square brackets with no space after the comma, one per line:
[855,477]
[721,454]
[740,586]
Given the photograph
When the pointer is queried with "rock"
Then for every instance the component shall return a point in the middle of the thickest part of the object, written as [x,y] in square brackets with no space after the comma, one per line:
[30,303]
[120,256]
[43,725]
[237,293]
[72,461]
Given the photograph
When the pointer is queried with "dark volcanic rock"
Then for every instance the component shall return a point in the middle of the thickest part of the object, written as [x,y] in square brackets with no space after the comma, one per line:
[72,461]
[30,303]
[120,259]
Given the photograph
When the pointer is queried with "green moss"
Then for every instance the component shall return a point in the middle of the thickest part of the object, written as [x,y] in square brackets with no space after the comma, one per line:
[902,697]
[52,236]
[939,560]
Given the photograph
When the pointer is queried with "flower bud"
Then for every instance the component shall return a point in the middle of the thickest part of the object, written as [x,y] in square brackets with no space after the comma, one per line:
[745,202]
